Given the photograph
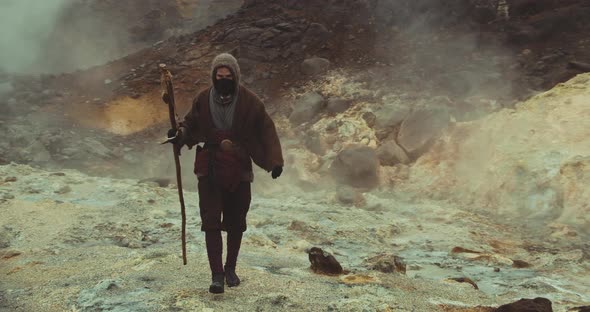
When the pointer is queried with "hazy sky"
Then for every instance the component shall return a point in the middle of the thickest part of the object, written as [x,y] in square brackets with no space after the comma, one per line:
[24,24]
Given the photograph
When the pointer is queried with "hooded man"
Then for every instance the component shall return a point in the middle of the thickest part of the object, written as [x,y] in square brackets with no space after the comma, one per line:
[236,130]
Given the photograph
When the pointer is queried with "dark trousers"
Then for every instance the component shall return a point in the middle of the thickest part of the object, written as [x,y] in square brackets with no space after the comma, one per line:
[223,211]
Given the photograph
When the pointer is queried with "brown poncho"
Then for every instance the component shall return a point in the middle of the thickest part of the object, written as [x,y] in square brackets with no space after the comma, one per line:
[253,130]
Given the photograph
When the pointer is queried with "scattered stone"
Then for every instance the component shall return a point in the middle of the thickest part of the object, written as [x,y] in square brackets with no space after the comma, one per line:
[161,182]
[349,196]
[63,189]
[390,154]
[519,264]
[527,305]
[464,280]
[10,179]
[419,130]
[580,309]
[314,66]
[306,108]
[463,250]
[386,263]
[323,262]
[356,165]
[107,81]
[337,105]
[299,226]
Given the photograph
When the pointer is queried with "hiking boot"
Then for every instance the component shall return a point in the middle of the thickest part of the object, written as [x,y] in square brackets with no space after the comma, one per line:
[217,283]
[231,278]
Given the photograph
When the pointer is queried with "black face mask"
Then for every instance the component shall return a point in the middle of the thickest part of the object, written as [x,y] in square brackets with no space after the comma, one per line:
[225,86]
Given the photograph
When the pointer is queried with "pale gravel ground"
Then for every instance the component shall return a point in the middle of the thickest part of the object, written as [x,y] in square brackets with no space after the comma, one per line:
[73,244]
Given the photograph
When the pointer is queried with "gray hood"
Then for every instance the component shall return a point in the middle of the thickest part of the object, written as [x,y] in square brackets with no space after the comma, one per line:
[226,60]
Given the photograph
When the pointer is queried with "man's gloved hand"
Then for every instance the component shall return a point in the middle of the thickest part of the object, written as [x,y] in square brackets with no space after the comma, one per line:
[276,172]
[174,136]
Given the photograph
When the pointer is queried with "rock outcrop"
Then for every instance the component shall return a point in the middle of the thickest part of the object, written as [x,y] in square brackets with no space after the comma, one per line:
[532,161]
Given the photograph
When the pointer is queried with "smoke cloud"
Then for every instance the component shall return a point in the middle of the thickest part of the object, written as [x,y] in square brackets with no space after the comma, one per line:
[24,26]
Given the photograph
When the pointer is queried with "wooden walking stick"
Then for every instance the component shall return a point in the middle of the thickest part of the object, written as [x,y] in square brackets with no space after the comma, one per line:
[168,98]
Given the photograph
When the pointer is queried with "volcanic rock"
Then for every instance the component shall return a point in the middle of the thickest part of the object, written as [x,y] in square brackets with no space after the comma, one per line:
[356,165]
[315,66]
[464,280]
[388,117]
[386,263]
[306,108]
[527,305]
[323,262]
[419,130]
[390,154]
[349,196]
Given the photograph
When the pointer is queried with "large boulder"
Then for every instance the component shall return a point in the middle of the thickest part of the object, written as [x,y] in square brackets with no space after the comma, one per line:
[390,154]
[306,108]
[314,66]
[421,128]
[388,117]
[356,165]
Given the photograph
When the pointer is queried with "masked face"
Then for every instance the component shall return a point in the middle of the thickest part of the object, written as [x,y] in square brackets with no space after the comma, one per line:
[224,81]
[225,86]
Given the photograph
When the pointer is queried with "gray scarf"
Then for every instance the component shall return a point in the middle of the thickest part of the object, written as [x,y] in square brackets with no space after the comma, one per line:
[222,109]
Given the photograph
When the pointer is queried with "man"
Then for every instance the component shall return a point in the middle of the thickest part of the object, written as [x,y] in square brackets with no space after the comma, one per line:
[235,128]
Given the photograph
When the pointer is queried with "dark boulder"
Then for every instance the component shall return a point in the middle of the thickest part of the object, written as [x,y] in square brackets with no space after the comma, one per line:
[527,305]
[356,165]
[323,262]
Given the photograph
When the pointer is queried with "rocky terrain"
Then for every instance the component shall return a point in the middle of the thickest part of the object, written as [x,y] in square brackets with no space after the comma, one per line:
[439,152]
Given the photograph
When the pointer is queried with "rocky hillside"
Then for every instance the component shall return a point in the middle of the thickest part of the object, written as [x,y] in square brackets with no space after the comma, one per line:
[530,162]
